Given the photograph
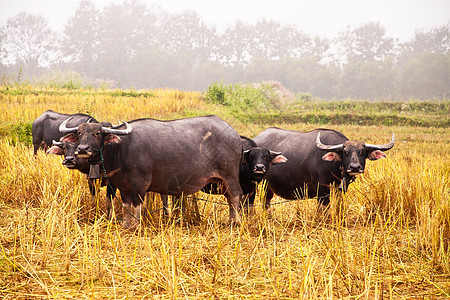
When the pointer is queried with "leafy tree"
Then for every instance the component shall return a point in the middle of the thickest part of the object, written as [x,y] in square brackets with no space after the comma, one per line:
[155,67]
[426,76]
[27,40]
[272,41]
[125,28]
[122,35]
[365,43]
[309,75]
[369,80]
[235,44]
[187,33]
[267,40]
[81,43]
[436,40]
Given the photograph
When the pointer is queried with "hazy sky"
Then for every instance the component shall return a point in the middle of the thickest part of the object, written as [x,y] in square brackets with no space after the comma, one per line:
[401,18]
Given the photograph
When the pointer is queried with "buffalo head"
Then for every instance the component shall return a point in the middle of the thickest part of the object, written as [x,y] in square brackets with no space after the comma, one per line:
[91,137]
[353,154]
[258,160]
[67,147]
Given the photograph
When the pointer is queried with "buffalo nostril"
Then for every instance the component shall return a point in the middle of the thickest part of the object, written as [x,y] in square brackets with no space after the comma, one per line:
[69,160]
[260,168]
[82,148]
[355,166]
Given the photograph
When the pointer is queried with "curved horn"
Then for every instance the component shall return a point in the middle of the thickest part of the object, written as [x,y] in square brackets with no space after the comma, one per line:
[118,131]
[55,143]
[64,129]
[115,126]
[370,147]
[321,146]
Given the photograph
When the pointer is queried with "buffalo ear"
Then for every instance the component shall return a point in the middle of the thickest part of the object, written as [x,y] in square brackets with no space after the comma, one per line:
[69,138]
[377,154]
[112,139]
[277,158]
[331,156]
[55,150]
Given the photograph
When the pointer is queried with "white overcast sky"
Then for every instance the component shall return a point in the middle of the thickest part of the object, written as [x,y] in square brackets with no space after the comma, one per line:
[326,18]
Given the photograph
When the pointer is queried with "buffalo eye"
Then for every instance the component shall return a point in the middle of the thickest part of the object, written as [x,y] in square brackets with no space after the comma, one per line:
[97,133]
[79,133]
[266,157]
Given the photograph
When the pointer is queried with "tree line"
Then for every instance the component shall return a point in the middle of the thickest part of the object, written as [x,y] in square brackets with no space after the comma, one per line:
[131,45]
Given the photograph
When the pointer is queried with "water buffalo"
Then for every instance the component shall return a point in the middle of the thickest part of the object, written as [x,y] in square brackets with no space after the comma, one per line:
[253,168]
[45,128]
[310,173]
[67,147]
[168,157]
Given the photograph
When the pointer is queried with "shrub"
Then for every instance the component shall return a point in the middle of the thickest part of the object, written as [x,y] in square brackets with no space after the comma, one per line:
[216,93]
[239,97]
[21,133]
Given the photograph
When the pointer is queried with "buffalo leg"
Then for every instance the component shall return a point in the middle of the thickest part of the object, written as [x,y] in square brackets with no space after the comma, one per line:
[323,196]
[233,195]
[268,198]
[110,194]
[108,198]
[131,209]
[93,191]
[345,183]
[248,201]
[91,184]
[164,198]
[126,214]
[35,148]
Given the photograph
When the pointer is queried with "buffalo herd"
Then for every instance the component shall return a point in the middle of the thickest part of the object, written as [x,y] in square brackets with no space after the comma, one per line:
[181,157]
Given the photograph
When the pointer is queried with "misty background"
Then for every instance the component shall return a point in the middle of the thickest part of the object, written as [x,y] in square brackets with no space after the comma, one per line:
[131,45]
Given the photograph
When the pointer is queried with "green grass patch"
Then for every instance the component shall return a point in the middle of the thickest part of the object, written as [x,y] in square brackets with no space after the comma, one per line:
[70,90]
[329,118]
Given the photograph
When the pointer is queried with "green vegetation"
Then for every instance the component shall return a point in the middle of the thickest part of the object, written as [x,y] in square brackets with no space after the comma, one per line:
[240,98]
[21,133]
[261,105]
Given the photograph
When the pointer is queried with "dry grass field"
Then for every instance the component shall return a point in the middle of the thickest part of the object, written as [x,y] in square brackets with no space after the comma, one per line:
[387,238]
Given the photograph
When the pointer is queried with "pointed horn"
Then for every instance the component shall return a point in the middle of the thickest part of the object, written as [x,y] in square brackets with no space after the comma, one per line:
[118,131]
[115,126]
[55,143]
[321,146]
[370,147]
[64,129]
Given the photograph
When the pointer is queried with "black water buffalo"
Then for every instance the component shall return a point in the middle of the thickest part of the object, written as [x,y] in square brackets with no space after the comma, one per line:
[168,157]
[67,147]
[45,128]
[310,173]
[254,165]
